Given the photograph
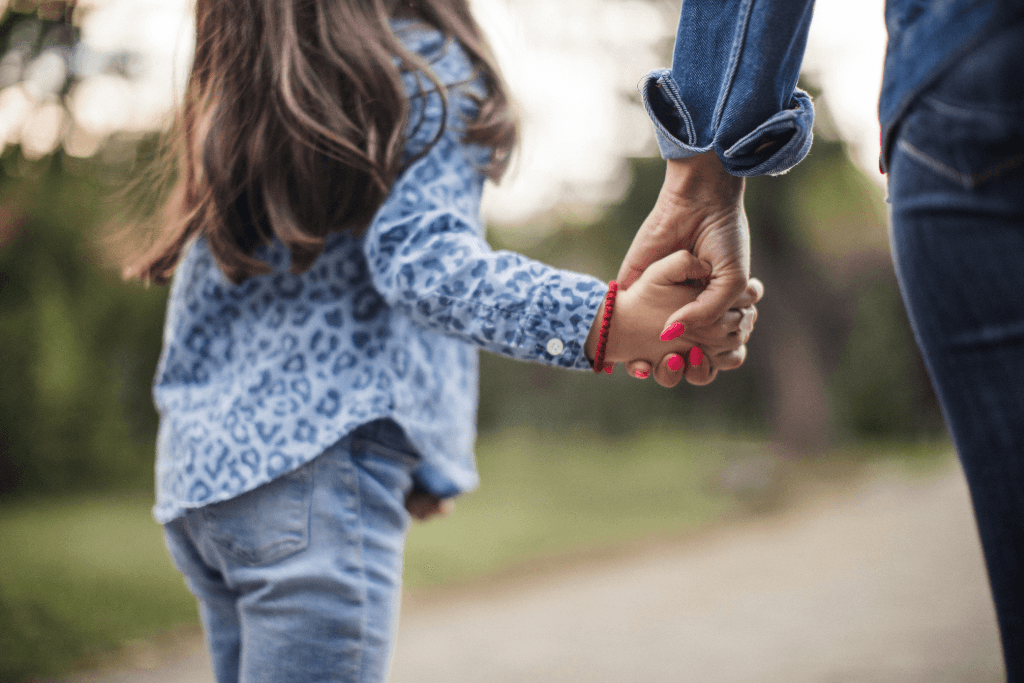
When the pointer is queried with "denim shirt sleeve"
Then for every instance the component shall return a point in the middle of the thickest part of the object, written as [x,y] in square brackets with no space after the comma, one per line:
[429,260]
[732,86]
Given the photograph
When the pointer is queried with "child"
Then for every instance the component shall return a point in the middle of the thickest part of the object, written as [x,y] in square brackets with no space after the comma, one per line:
[331,288]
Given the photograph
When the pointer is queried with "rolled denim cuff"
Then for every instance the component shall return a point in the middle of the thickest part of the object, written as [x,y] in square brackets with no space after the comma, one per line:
[435,482]
[772,147]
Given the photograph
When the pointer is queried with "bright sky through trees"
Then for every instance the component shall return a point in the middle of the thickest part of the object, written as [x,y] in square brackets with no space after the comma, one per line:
[573,66]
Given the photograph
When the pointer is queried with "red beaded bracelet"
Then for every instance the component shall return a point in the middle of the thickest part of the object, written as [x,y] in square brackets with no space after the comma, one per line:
[606,323]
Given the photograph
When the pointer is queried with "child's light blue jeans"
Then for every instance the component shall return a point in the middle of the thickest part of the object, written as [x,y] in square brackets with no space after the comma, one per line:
[300,579]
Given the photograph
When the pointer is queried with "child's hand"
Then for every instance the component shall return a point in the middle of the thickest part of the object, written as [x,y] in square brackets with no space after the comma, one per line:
[422,505]
[640,311]
[719,346]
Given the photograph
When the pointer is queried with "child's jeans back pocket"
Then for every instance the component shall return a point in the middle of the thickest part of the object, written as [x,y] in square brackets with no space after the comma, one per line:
[262,526]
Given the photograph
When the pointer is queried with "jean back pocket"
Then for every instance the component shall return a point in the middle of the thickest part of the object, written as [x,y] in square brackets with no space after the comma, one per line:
[264,525]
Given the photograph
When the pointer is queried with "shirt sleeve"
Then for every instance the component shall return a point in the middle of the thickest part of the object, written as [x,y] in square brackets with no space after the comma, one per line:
[732,85]
[429,260]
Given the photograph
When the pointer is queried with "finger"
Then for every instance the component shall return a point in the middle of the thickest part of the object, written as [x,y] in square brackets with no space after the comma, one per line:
[700,376]
[751,295]
[418,505]
[698,368]
[748,320]
[658,236]
[633,266]
[737,325]
[732,321]
[758,288]
[670,370]
[730,360]
[640,369]
[426,506]
[442,508]
[422,505]
[645,250]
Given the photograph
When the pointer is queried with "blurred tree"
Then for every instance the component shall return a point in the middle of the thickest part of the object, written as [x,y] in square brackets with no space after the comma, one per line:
[841,356]
[77,346]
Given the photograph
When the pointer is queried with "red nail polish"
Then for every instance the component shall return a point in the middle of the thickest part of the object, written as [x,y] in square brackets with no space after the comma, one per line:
[641,374]
[696,356]
[608,369]
[672,331]
[675,362]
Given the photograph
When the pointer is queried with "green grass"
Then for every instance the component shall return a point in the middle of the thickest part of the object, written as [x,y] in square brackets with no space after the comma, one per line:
[555,496]
[81,576]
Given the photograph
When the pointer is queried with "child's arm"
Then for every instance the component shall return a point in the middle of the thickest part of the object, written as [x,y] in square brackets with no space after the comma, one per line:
[428,258]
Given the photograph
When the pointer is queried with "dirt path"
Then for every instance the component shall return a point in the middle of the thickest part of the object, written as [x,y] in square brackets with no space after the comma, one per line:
[883,583]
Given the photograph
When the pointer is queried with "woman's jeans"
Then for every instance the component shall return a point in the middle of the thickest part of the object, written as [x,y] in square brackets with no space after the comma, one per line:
[299,580]
[956,184]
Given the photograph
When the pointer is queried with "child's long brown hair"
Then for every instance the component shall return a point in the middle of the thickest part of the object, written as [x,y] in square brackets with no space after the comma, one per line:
[293,125]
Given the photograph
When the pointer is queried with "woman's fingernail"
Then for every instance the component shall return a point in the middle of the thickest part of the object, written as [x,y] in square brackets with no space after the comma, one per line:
[608,369]
[641,374]
[696,356]
[672,331]
[675,362]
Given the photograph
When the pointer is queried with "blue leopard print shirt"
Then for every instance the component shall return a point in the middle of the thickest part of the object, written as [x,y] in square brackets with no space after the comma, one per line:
[260,378]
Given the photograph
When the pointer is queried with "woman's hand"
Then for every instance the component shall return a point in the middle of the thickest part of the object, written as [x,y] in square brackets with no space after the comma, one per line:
[700,209]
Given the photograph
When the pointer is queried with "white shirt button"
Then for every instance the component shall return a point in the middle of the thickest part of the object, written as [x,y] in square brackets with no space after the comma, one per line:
[555,346]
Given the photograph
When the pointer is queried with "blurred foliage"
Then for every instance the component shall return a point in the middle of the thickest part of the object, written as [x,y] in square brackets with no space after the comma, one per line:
[819,242]
[78,345]
[78,575]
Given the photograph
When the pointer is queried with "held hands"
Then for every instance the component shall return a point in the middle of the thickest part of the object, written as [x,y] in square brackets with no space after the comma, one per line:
[640,312]
[699,209]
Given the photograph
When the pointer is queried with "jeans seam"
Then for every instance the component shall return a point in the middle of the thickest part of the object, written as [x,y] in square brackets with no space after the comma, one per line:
[670,91]
[972,110]
[357,490]
[969,181]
